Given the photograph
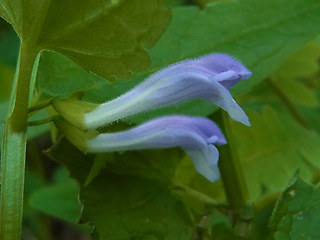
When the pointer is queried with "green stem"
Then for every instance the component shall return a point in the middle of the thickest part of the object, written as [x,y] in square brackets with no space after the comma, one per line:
[40,106]
[194,194]
[43,121]
[230,169]
[234,183]
[14,149]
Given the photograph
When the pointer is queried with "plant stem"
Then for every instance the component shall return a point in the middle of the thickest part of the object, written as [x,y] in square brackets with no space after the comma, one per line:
[194,193]
[234,183]
[43,121]
[230,169]
[40,106]
[14,149]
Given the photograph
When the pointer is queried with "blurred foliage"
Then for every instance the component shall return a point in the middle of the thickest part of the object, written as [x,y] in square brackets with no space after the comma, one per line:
[273,148]
[293,73]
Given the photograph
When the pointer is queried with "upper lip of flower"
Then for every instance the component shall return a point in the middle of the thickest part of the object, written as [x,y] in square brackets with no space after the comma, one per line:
[245,75]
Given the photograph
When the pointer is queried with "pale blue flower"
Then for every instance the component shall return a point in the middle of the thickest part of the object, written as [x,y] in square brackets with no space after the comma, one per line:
[195,135]
[207,78]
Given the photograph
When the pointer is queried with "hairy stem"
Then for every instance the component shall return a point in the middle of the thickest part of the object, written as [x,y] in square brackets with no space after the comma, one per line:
[14,149]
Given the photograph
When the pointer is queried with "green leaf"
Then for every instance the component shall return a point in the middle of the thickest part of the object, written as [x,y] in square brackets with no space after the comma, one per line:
[34,221]
[292,74]
[106,37]
[260,34]
[297,213]
[273,148]
[59,77]
[59,200]
[302,63]
[98,164]
[134,196]
[298,92]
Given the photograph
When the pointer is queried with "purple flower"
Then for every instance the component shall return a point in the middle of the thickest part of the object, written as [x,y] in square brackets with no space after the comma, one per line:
[207,78]
[195,135]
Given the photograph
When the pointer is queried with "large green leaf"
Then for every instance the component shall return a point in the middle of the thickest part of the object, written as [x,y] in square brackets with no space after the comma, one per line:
[297,213]
[273,148]
[135,196]
[261,34]
[103,36]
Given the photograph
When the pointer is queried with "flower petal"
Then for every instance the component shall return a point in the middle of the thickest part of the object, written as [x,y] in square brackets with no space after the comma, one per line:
[230,71]
[205,78]
[206,163]
[194,135]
